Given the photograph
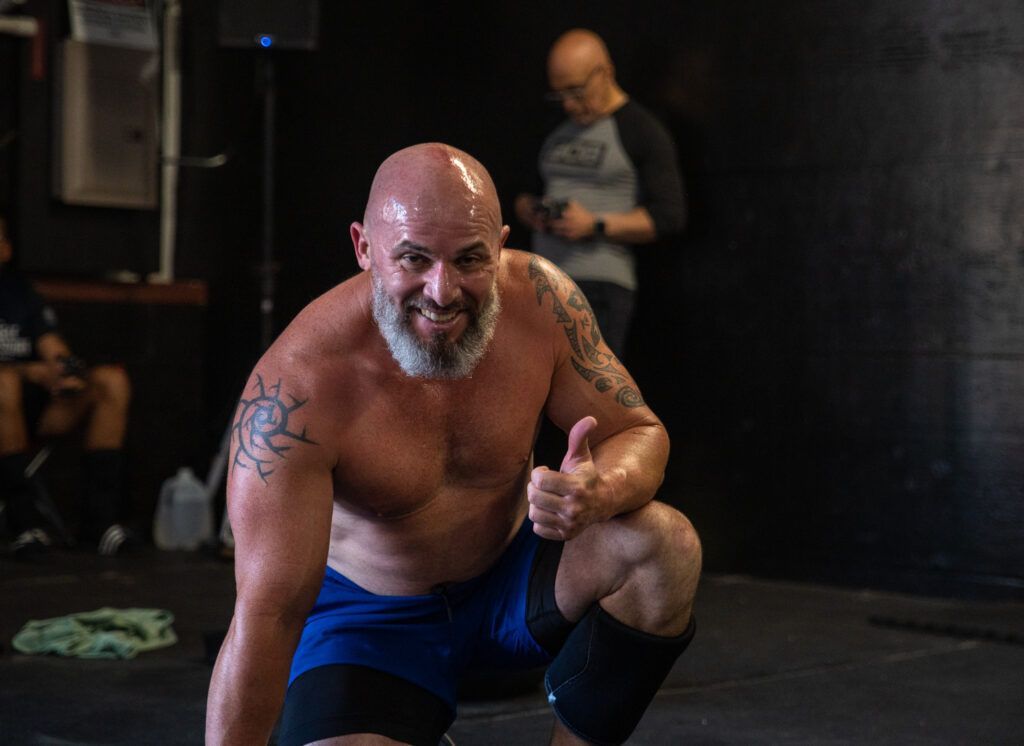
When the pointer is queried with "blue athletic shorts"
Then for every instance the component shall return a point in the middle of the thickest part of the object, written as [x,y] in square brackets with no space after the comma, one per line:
[430,639]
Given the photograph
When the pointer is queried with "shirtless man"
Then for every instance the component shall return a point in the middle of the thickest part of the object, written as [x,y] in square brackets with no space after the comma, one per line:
[391,529]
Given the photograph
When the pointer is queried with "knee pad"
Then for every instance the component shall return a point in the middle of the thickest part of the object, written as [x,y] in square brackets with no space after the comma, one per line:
[606,674]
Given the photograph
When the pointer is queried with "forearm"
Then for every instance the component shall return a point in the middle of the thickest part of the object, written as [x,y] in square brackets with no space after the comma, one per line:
[633,227]
[525,208]
[250,679]
[38,372]
[49,369]
[577,223]
[632,466]
[51,347]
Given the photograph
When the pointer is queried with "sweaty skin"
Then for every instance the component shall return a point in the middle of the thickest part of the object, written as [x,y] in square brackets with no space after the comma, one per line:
[401,483]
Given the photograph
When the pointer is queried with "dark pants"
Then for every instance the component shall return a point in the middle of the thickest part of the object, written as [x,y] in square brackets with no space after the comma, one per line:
[613,306]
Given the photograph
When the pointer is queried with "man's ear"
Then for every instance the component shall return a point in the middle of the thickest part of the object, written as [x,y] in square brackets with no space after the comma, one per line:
[360,244]
[505,230]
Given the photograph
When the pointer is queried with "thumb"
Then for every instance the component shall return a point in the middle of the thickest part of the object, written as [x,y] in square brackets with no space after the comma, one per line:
[579,444]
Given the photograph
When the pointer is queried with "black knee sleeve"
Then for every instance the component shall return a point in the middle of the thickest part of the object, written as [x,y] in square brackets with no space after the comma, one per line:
[606,674]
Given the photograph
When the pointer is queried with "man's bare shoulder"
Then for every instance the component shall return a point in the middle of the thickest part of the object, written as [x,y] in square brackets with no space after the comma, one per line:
[332,326]
[525,277]
[326,343]
[315,369]
[579,348]
[545,294]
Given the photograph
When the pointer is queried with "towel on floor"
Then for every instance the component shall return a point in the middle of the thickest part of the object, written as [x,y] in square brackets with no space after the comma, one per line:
[103,633]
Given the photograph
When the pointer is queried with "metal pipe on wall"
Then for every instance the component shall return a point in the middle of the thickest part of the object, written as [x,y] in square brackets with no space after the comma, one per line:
[19,26]
[170,137]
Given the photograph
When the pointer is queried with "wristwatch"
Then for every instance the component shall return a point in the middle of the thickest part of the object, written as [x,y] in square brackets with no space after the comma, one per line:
[599,227]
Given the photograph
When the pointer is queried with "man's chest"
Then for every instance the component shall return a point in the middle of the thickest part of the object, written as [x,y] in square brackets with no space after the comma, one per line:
[399,450]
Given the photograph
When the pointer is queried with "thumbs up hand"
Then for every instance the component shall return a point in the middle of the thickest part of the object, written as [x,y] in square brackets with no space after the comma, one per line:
[563,503]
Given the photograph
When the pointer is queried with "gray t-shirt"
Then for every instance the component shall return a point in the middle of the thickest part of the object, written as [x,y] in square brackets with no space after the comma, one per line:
[617,163]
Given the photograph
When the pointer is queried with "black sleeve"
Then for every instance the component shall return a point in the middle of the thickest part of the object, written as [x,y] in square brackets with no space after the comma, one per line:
[649,145]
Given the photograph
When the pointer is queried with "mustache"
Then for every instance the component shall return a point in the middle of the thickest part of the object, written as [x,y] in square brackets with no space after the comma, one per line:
[426,304]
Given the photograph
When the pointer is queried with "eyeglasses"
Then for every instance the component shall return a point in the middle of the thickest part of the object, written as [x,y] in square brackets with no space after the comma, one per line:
[575,92]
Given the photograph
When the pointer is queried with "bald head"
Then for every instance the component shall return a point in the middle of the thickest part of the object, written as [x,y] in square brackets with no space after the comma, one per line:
[581,73]
[578,51]
[432,182]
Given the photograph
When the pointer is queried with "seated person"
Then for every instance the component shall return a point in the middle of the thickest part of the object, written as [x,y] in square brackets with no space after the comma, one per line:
[47,391]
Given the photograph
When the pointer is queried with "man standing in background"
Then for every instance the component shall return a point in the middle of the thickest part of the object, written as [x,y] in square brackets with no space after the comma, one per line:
[611,181]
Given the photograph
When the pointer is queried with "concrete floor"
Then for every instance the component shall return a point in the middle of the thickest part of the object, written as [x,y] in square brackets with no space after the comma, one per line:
[773,662]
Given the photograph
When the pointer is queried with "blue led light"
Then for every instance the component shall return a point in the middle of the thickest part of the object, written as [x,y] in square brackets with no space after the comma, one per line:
[266,41]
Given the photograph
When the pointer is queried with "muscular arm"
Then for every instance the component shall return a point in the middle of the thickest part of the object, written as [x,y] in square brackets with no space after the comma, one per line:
[279,502]
[617,463]
[635,226]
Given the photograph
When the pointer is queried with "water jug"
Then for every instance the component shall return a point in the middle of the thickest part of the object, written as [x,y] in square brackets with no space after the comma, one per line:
[183,517]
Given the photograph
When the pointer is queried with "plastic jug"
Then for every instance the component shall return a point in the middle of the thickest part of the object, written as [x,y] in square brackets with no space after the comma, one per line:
[183,517]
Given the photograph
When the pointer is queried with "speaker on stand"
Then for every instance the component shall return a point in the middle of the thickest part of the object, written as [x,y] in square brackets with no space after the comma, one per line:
[269,24]
[264,26]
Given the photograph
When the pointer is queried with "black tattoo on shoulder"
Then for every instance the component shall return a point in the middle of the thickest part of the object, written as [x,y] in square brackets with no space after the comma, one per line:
[594,362]
[261,427]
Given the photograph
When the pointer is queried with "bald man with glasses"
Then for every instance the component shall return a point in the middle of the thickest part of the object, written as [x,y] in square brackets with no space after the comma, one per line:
[611,182]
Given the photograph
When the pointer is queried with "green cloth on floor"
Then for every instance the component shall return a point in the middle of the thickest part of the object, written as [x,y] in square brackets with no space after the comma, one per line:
[103,633]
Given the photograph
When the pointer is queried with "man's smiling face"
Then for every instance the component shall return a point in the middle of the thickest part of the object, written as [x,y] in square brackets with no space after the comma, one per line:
[432,244]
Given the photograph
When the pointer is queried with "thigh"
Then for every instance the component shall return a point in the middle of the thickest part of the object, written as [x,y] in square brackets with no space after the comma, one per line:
[329,702]
[409,637]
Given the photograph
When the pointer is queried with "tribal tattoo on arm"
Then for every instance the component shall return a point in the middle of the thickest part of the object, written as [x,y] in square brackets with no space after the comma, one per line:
[261,427]
[601,368]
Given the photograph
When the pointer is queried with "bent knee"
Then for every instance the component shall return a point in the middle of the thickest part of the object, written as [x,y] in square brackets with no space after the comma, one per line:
[657,530]
[10,389]
[111,382]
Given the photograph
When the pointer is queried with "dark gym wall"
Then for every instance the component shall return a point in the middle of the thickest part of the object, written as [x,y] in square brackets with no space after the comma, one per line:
[850,352]
[836,344]
[8,123]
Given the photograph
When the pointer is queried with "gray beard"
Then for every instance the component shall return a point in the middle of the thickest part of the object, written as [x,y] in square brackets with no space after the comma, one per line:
[437,358]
